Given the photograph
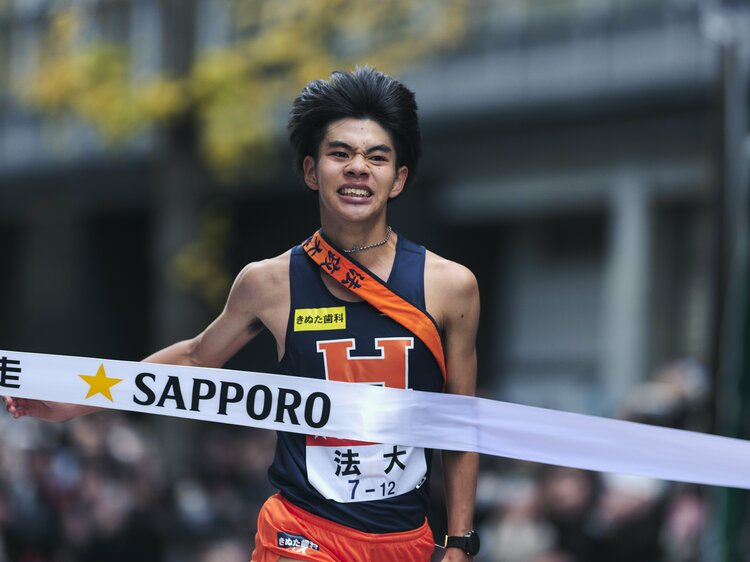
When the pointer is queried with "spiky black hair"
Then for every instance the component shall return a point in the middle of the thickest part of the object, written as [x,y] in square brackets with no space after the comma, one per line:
[362,94]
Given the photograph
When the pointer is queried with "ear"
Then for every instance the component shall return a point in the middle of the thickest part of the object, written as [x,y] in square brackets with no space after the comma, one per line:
[310,173]
[399,183]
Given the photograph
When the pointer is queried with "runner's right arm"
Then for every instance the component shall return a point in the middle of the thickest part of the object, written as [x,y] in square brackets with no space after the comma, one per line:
[234,327]
[237,324]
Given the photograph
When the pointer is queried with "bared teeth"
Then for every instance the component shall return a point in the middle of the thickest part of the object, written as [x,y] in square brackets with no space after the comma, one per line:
[354,192]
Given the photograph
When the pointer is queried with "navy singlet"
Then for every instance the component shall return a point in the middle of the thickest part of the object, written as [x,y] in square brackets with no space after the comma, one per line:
[375,488]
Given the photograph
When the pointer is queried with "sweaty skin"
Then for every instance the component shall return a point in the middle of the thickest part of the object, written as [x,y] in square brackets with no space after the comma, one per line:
[355,176]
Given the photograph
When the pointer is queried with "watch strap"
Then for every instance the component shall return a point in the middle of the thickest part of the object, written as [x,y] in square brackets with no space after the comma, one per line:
[468,543]
[455,542]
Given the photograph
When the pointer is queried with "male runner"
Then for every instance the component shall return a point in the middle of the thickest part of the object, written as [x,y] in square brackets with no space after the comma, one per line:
[357,142]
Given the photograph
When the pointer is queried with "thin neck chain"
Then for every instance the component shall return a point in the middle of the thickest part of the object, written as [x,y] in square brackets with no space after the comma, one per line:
[369,246]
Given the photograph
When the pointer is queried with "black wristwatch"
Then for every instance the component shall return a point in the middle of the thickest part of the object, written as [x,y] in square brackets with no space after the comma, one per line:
[469,543]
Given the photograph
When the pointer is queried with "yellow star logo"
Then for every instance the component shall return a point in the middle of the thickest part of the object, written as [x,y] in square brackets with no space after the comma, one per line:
[100,384]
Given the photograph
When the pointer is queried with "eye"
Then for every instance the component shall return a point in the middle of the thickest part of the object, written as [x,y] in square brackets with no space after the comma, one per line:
[379,158]
[339,154]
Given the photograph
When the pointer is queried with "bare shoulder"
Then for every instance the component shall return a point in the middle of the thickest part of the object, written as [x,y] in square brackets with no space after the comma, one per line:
[269,271]
[449,287]
[449,276]
[262,280]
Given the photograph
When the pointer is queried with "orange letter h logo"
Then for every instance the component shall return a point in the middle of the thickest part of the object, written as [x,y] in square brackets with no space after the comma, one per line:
[390,368]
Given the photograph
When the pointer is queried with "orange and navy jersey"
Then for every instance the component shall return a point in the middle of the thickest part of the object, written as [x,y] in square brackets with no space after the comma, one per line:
[372,487]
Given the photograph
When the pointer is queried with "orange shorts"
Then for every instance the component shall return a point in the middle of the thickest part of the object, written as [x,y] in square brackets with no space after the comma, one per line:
[289,531]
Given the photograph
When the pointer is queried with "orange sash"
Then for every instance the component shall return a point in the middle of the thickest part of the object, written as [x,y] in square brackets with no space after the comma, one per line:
[371,289]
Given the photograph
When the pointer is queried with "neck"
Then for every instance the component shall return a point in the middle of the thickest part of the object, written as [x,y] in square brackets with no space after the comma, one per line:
[357,235]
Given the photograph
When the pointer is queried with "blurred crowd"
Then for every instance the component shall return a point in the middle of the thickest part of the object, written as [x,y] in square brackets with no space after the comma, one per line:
[97,488]
[102,488]
[535,513]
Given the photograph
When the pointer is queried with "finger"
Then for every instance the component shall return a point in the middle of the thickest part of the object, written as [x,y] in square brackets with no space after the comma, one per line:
[15,408]
[19,411]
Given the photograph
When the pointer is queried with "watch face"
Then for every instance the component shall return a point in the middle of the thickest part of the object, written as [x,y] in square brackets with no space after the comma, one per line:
[472,543]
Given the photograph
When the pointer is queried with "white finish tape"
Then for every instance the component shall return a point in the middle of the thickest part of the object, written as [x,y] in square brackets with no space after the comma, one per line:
[380,415]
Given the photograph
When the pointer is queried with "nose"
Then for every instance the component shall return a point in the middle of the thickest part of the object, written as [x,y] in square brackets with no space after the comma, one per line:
[357,166]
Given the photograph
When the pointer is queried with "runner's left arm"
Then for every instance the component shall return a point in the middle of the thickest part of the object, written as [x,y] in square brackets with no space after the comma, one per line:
[460,323]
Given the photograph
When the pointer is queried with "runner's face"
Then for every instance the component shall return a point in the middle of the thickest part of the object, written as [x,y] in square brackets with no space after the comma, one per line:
[355,173]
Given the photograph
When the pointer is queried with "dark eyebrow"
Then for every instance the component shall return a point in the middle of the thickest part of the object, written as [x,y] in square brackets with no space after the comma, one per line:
[376,148]
[379,148]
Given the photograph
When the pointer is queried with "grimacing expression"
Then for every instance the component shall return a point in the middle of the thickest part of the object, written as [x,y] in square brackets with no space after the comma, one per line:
[355,173]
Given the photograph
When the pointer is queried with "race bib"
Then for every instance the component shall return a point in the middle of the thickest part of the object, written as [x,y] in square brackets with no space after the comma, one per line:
[348,471]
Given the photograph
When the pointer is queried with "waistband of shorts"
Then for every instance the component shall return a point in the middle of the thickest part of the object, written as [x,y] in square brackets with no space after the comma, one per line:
[399,536]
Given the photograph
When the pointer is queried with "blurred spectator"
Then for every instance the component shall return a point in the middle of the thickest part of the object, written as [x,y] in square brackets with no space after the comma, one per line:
[569,497]
[515,530]
[684,523]
[629,517]
[675,397]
